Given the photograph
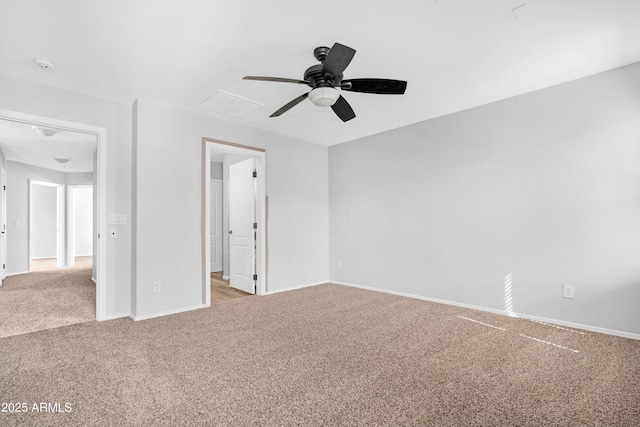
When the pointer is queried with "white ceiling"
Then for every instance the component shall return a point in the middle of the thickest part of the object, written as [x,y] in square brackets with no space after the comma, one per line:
[20,143]
[455,54]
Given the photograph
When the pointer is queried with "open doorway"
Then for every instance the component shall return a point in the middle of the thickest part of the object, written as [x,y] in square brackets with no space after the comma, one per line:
[234,221]
[18,259]
[46,226]
[80,235]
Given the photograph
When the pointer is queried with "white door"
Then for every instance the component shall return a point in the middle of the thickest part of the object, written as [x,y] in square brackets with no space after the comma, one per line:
[3,223]
[215,226]
[241,220]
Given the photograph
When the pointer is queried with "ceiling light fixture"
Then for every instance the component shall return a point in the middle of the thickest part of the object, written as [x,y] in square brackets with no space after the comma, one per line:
[324,96]
[62,159]
[44,131]
[43,64]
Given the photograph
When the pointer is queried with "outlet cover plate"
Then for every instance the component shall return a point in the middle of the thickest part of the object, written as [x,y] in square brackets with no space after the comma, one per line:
[568,291]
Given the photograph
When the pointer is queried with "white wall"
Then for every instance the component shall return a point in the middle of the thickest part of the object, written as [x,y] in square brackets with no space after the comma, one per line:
[18,176]
[82,221]
[168,180]
[544,186]
[44,221]
[79,178]
[216,170]
[32,98]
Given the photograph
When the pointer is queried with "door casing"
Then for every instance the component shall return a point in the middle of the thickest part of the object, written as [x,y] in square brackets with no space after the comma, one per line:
[60,221]
[215,221]
[209,145]
[71,231]
[100,192]
[3,223]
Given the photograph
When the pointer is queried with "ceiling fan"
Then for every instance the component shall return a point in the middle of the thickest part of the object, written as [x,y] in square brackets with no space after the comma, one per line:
[325,79]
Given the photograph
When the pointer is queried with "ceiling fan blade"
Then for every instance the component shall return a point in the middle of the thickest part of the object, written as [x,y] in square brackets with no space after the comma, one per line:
[343,109]
[290,105]
[276,79]
[338,59]
[379,86]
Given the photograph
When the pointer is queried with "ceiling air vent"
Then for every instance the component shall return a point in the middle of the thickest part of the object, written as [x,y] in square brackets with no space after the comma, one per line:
[232,105]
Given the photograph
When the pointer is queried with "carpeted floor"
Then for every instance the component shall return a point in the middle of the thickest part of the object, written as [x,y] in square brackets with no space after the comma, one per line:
[46,299]
[322,356]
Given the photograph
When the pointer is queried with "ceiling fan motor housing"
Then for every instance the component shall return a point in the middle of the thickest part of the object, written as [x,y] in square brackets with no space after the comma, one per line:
[320,78]
[317,75]
[320,53]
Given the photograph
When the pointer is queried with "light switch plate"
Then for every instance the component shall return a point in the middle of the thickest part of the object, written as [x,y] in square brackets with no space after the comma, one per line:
[117,219]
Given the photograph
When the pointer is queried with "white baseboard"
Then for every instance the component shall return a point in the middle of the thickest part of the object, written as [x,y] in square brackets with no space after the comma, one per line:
[225,277]
[293,288]
[16,274]
[590,328]
[168,312]
[93,279]
[115,316]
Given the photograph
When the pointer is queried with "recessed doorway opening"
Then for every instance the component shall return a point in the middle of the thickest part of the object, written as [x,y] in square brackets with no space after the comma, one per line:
[233,220]
[17,264]
[46,225]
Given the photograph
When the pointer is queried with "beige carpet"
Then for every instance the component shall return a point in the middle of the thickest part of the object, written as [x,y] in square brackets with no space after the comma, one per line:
[323,356]
[46,299]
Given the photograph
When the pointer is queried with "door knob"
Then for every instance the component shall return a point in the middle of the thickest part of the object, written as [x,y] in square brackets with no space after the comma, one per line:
[230,231]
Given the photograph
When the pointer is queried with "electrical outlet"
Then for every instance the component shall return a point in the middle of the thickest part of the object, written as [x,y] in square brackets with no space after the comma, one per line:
[567,291]
[339,263]
[156,286]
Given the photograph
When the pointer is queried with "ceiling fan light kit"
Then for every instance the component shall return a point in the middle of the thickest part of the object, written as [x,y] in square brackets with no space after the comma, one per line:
[326,78]
[324,96]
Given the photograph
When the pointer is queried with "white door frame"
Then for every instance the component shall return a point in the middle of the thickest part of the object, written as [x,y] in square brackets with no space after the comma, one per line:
[100,191]
[219,182]
[3,223]
[60,221]
[209,145]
